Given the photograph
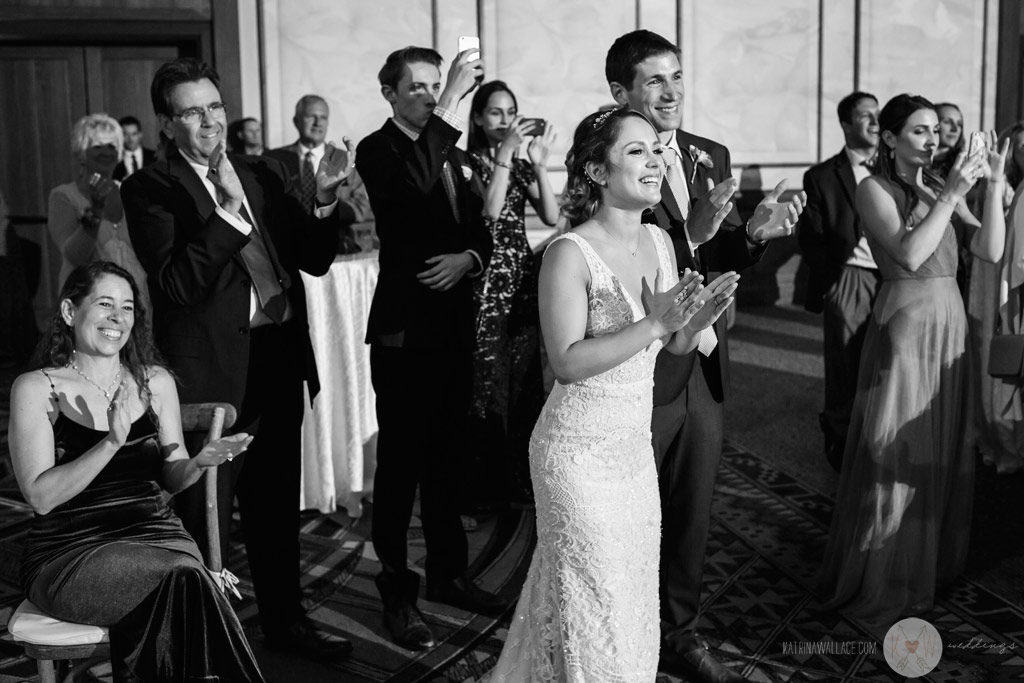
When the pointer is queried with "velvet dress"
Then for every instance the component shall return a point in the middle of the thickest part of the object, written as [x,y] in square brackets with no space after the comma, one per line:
[115,555]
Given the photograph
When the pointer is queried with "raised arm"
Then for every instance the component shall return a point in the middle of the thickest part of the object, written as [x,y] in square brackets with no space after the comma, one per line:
[880,217]
[541,194]
[75,240]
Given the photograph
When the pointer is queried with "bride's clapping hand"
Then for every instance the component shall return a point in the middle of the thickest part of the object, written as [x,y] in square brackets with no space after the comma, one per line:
[672,309]
[223,450]
[715,298]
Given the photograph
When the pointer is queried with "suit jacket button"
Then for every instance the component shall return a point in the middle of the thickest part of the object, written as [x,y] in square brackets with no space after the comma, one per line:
[243,330]
[246,282]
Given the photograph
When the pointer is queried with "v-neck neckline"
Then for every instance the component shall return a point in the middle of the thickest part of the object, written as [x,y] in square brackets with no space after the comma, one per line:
[636,309]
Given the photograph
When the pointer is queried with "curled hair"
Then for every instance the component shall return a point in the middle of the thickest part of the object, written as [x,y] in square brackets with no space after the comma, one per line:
[594,136]
[477,137]
[172,74]
[57,343]
[96,129]
[394,65]
[893,118]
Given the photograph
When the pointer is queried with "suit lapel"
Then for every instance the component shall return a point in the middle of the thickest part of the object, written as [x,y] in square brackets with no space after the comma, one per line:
[179,169]
[846,179]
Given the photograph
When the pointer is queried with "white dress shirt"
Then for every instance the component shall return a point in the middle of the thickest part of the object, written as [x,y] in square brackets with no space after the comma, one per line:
[861,256]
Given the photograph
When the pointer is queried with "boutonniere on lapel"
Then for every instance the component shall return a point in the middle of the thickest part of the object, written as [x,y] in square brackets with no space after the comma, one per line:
[699,158]
[467,173]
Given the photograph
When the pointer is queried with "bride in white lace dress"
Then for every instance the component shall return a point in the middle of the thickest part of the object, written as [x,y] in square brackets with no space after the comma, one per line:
[589,608]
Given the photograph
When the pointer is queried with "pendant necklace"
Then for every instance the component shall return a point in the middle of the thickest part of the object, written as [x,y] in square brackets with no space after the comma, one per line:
[106,392]
[632,252]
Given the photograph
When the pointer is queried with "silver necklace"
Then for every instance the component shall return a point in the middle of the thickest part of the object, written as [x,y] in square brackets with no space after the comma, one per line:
[106,392]
[632,252]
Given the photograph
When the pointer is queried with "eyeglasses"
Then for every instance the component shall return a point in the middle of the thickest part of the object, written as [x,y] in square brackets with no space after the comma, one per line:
[194,115]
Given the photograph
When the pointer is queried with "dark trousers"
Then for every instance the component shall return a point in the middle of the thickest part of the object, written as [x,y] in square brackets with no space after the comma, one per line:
[265,478]
[423,400]
[687,438]
[845,317]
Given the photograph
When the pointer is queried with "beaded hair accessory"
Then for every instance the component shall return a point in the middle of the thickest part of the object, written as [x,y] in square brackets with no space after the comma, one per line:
[600,120]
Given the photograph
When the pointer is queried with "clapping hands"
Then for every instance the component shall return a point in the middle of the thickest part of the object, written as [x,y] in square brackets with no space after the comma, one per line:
[672,309]
[714,300]
[337,164]
[759,228]
[223,450]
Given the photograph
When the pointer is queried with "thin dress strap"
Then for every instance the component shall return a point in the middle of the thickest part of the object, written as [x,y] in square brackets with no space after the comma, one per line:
[598,274]
[669,276]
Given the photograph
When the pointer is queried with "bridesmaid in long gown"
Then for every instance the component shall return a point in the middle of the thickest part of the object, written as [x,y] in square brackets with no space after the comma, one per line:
[589,608]
[903,509]
[93,431]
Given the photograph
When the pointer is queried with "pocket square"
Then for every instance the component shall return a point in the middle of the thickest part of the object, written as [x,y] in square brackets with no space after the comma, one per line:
[467,173]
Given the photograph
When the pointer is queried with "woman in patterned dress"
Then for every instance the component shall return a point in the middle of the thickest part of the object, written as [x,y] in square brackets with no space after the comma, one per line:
[507,384]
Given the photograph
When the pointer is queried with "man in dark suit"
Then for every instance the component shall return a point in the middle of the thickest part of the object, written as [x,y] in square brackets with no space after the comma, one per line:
[301,158]
[843,276]
[135,156]
[222,242]
[433,240]
[644,73]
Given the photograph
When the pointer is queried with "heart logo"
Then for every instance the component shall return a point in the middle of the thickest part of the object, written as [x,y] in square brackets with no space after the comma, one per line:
[911,646]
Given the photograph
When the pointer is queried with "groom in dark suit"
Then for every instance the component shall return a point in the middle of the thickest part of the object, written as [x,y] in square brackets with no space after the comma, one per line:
[222,242]
[433,241]
[644,73]
[843,276]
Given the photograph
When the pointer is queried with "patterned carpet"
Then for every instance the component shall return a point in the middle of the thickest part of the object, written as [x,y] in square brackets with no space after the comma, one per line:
[767,537]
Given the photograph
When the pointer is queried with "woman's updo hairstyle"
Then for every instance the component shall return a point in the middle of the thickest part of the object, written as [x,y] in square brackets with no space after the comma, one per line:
[594,136]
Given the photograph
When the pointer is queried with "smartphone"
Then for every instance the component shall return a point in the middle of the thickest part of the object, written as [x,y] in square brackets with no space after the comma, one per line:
[469,43]
[535,126]
[978,141]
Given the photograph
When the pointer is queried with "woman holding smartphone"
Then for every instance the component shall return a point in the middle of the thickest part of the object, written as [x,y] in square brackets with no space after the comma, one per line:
[507,385]
[85,218]
[903,509]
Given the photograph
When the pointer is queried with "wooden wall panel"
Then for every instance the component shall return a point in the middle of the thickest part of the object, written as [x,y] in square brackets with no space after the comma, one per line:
[44,95]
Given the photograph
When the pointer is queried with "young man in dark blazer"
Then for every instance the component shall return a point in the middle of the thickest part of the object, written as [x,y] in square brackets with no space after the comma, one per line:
[843,276]
[644,73]
[222,242]
[433,241]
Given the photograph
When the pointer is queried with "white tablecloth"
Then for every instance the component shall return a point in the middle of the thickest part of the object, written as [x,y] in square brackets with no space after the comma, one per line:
[339,433]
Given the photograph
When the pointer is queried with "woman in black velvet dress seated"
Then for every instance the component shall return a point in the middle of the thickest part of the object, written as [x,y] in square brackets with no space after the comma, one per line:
[95,432]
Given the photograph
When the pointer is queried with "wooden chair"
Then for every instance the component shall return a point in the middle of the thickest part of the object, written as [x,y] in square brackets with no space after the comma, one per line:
[51,642]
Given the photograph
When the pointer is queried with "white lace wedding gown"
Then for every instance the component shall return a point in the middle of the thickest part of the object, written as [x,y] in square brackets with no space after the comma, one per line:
[588,611]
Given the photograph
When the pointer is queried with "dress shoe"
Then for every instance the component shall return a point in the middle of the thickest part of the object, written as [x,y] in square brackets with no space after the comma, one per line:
[465,594]
[309,641]
[699,665]
[407,628]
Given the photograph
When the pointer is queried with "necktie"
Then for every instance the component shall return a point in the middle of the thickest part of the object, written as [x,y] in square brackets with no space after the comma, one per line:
[265,280]
[674,176]
[448,180]
[132,166]
[308,181]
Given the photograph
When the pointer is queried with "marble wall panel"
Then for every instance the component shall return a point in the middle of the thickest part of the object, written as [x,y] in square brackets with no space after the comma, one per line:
[455,18]
[752,72]
[660,16]
[334,48]
[552,56]
[838,69]
[933,48]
